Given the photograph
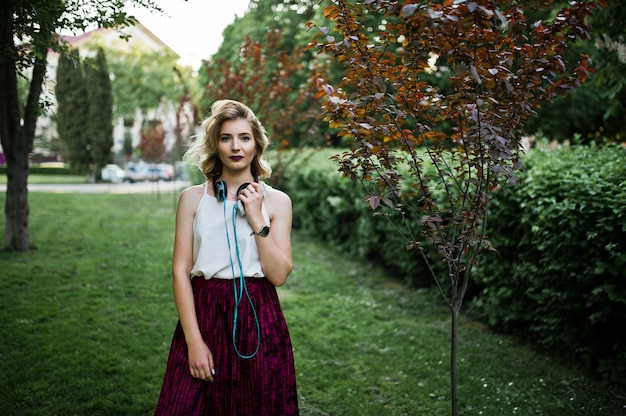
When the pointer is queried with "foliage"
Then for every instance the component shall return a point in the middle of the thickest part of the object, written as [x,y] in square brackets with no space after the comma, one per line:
[72,119]
[278,28]
[142,80]
[596,110]
[593,111]
[263,78]
[263,16]
[152,143]
[330,207]
[563,224]
[87,322]
[558,275]
[99,127]
[152,83]
[500,67]
[85,111]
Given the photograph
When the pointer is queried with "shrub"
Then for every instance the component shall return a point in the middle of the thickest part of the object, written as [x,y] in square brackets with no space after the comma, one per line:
[558,275]
[331,208]
[42,170]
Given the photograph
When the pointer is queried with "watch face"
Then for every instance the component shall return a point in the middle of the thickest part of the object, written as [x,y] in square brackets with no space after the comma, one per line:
[265,231]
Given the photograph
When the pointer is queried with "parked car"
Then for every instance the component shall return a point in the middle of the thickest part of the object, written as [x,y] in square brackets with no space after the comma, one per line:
[148,172]
[162,171]
[112,173]
[137,173]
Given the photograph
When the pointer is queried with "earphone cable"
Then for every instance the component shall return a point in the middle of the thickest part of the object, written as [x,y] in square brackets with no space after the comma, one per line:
[243,289]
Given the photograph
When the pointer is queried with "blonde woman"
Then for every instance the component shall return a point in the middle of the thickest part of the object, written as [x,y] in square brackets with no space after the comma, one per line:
[231,353]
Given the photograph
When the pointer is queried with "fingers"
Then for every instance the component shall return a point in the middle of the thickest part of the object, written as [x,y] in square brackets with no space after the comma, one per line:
[250,192]
[202,367]
[203,373]
[252,195]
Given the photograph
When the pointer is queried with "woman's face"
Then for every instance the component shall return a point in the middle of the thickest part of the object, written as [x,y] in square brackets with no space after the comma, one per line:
[236,146]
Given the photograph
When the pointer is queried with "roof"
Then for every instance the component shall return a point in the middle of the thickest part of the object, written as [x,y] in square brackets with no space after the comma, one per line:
[138,32]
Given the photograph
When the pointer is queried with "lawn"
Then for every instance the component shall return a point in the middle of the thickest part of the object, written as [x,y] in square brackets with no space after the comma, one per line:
[86,321]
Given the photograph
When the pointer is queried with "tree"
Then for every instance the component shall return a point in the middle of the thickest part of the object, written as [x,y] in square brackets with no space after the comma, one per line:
[127,145]
[142,80]
[72,119]
[288,16]
[99,127]
[146,82]
[27,31]
[428,160]
[265,78]
[152,143]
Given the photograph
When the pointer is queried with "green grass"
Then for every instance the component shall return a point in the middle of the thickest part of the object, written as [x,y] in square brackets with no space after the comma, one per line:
[87,318]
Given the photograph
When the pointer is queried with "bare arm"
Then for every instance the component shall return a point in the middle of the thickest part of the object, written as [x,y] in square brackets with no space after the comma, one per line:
[275,249]
[200,358]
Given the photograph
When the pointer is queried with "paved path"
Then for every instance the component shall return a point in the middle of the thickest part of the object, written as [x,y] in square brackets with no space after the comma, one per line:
[108,188]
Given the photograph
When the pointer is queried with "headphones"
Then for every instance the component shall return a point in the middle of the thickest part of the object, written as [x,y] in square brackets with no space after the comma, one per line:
[221,190]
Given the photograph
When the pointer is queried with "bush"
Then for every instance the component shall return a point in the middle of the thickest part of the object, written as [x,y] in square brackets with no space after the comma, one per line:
[42,170]
[558,274]
[557,277]
[332,208]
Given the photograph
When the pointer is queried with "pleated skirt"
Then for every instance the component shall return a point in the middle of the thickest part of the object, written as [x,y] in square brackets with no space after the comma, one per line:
[262,385]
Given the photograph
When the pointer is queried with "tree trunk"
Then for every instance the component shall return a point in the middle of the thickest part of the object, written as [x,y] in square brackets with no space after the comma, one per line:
[16,205]
[454,370]
[17,139]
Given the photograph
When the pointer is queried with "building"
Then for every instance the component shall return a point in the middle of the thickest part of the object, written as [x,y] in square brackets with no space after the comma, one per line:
[139,38]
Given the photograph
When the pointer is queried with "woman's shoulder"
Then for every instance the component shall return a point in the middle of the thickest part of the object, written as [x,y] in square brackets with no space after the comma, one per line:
[194,190]
[276,194]
[277,202]
[192,195]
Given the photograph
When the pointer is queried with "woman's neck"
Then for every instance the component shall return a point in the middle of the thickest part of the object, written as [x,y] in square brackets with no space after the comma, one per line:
[234,181]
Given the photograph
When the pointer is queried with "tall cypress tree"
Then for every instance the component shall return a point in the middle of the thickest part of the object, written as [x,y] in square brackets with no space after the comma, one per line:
[72,100]
[100,110]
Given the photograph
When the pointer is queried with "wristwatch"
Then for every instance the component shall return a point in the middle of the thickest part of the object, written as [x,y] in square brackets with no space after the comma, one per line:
[263,232]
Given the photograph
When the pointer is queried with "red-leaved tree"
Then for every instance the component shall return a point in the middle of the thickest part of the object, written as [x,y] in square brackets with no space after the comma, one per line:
[430,159]
[152,144]
[279,88]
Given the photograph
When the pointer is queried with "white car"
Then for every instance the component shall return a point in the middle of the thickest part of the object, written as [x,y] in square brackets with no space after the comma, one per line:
[112,173]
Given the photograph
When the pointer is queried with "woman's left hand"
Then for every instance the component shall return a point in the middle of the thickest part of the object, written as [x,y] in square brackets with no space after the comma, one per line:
[252,199]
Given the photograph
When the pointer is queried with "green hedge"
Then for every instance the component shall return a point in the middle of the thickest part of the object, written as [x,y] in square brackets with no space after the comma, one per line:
[332,209]
[558,275]
[41,171]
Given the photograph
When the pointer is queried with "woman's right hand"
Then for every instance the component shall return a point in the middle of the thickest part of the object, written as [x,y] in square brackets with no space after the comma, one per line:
[201,361]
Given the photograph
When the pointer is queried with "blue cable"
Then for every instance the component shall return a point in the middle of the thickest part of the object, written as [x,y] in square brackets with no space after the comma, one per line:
[242,286]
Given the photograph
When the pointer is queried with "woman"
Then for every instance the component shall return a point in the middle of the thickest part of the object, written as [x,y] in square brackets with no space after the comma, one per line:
[231,352]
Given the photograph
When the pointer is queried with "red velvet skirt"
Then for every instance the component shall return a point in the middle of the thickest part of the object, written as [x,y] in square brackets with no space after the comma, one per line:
[263,385]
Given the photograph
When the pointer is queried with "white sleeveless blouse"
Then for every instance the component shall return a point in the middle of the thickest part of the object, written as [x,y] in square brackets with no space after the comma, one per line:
[213,231]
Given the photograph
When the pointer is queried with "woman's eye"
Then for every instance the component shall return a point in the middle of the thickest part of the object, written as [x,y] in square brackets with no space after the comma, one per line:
[245,138]
[224,138]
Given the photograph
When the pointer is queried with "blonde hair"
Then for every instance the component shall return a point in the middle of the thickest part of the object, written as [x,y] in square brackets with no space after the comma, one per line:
[203,150]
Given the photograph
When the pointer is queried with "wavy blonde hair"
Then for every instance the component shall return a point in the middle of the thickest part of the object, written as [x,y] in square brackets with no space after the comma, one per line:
[203,150]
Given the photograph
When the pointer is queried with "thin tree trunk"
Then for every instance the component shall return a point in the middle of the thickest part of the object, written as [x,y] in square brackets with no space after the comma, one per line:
[454,370]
